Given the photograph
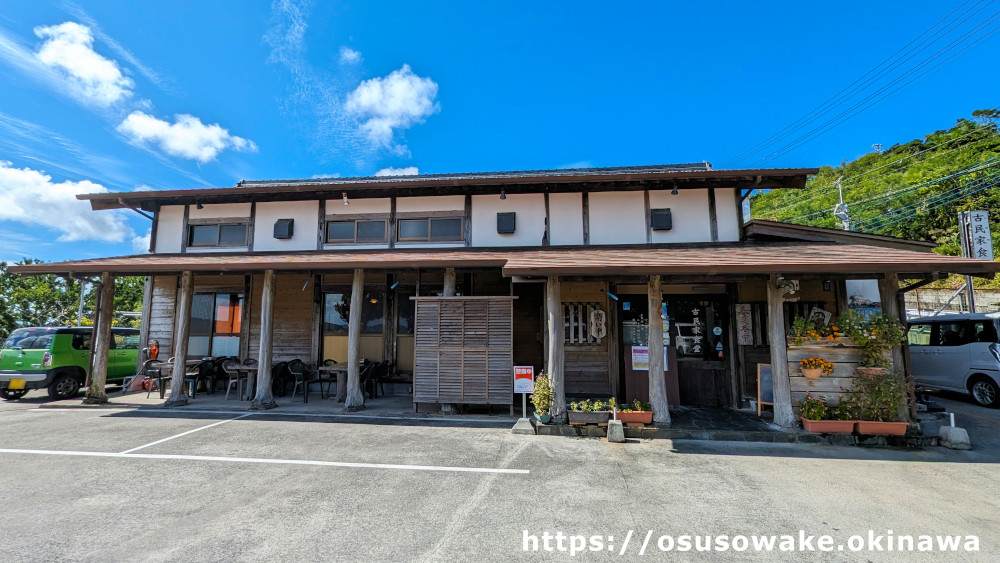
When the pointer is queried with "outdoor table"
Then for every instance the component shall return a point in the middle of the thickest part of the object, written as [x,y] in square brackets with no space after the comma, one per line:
[251,372]
[158,366]
[337,369]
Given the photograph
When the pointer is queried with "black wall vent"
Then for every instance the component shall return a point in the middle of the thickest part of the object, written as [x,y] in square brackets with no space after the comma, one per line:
[661,220]
[505,223]
[283,228]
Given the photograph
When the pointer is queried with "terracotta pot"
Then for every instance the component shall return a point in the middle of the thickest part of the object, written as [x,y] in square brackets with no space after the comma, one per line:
[890,428]
[645,417]
[589,417]
[812,373]
[828,426]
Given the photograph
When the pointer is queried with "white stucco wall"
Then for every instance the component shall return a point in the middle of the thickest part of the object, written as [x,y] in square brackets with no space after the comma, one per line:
[566,219]
[529,221]
[430,203]
[304,229]
[616,218]
[689,211]
[169,228]
[358,206]
[219,210]
[726,215]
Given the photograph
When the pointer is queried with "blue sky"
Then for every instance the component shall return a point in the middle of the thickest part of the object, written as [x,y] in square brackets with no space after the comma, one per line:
[165,95]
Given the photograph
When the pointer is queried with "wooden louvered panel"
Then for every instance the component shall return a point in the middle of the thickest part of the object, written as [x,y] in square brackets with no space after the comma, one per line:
[476,325]
[501,387]
[501,325]
[474,376]
[452,324]
[450,370]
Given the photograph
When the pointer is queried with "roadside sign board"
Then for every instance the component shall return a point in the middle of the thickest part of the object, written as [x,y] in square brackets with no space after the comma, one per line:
[980,238]
[524,379]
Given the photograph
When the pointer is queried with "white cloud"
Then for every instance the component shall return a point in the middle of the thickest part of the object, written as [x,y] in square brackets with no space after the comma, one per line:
[187,137]
[394,102]
[68,50]
[31,198]
[349,56]
[581,164]
[408,171]
[140,244]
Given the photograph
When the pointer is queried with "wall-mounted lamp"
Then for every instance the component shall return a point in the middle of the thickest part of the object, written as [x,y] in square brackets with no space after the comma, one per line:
[345,199]
[612,295]
[394,285]
[673,191]
[199,206]
[503,193]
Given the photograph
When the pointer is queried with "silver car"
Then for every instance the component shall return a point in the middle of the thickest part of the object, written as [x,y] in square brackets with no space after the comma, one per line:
[958,353]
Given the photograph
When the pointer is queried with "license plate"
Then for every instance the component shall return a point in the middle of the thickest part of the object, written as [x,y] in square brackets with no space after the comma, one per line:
[16,384]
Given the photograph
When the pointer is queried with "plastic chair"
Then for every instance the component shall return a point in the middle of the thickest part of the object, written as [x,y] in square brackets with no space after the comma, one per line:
[303,377]
[235,377]
[197,372]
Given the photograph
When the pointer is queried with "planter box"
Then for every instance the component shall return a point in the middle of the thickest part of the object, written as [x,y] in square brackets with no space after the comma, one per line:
[828,426]
[890,428]
[636,417]
[588,417]
[824,343]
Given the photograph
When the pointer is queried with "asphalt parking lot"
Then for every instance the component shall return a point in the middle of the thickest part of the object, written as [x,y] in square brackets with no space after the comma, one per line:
[114,485]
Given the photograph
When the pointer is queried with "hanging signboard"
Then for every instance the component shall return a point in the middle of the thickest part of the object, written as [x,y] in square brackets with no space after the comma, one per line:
[980,239]
[524,379]
[744,324]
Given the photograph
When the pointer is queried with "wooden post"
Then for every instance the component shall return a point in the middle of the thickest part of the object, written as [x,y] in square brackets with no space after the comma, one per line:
[888,288]
[263,399]
[102,343]
[554,315]
[783,414]
[355,399]
[449,282]
[182,329]
[657,384]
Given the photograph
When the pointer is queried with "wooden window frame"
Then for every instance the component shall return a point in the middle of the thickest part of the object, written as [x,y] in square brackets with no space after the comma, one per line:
[429,217]
[384,219]
[218,224]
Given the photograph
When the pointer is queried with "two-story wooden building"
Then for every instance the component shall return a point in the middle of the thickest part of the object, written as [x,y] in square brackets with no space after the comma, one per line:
[455,278]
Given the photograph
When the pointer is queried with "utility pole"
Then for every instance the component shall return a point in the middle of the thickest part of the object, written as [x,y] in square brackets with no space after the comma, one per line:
[83,294]
[877,147]
[964,222]
[840,210]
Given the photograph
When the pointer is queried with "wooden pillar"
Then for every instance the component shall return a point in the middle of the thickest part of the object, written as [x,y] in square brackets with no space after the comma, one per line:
[657,384]
[554,316]
[449,282]
[783,414]
[102,342]
[263,399]
[888,288]
[355,399]
[182,329]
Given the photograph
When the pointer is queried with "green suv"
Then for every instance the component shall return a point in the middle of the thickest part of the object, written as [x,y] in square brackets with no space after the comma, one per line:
[57,359]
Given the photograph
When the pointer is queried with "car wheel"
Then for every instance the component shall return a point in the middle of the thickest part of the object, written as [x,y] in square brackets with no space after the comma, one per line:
[985,391]
[64,387]
[12,394]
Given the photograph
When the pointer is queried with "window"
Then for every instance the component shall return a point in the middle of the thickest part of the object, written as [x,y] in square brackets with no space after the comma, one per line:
[80,341]
[216,320]
[984,331]
[222,234]
[356,231]
[337,312]
[431,229]
[953,334]
[126,341]
[919,335]
[404,313]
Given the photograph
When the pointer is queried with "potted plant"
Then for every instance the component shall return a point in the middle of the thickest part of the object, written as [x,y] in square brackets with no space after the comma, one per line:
[875,336]
[542,398]
[819,418]
[588,411]
[879,398]
[814,367]
[804,331]
[636,413]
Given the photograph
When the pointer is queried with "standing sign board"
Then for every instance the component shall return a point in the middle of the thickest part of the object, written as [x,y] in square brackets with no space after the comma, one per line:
[524,379]
[980,239]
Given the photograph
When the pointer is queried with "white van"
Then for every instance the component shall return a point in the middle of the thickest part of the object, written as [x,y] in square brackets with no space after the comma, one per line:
[958,353]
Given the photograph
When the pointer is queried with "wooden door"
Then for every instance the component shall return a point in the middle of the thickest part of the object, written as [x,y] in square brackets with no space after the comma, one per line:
[699,330]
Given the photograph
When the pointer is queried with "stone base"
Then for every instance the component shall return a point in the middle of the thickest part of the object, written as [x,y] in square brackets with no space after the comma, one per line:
[523,426]
[954,437]
[616,432]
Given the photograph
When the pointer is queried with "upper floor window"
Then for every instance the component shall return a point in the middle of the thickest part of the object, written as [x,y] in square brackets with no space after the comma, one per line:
[431,229]
[356,231]
[218,234]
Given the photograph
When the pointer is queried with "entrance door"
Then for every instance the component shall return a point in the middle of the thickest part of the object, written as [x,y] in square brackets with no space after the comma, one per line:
[699,330]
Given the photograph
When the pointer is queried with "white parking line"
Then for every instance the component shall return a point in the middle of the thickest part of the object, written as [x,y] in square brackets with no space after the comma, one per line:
[181,412]
[186,433]
[455,469]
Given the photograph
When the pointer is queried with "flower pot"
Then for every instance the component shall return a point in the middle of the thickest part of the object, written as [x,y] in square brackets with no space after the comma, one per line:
[544,418]
[811,373]
[635,417]
[890,428]
[828,426]
[589,417]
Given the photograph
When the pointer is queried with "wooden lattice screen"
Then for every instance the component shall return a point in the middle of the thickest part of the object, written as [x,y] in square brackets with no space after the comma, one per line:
[463,350]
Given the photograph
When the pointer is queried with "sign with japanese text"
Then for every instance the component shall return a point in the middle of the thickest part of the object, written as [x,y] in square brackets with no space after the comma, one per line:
[640,359]
[744,324]
[980,239]
[524,379]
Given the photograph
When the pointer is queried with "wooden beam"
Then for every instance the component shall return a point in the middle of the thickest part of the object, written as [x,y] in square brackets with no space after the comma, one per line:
[547,239]
[783,414]
[147,315]
[185,233]
[182,330]
[657,383]
[649,218]
[263,399]
[102,343]
[354,400]
[321,234]
[554,316]
[586,218]
[713,218]
[467,222]
[449,282]
[392,222]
